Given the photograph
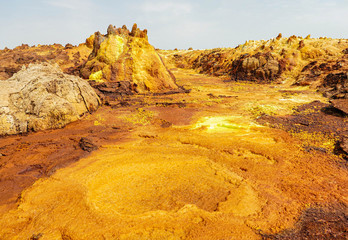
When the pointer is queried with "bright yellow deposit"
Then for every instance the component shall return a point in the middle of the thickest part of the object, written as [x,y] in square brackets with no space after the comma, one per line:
[111,49]
[120,191]
[97,76]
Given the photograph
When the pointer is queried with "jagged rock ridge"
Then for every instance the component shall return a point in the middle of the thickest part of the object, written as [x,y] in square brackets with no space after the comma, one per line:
[70,58]
[279,59]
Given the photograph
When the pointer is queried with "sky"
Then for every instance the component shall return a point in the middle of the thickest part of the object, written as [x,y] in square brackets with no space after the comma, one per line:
[201,24]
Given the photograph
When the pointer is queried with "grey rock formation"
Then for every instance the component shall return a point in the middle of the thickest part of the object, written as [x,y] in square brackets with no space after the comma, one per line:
[42,97]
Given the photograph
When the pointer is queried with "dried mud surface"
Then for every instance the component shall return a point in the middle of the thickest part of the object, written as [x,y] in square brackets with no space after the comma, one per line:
[194,165]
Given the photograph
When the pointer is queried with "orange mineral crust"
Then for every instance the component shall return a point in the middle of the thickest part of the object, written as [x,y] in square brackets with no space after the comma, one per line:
[192,165]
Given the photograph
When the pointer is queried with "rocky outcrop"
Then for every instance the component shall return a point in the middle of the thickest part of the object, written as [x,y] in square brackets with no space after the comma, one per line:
[70,58]
[212,62]
[341,104]
[261,67]
[336,85]
[278,59]
[123,55]
[330,76]
[42,97]
[325,73]
[110,91]
[344,145]
[87,145]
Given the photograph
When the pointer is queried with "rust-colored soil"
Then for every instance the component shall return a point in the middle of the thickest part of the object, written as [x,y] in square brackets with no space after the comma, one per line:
[26,158]
[192,165]
[318,223]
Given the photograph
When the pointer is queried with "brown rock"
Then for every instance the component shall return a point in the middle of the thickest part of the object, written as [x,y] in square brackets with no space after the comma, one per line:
[328,75]
[259,67]
[69,46]
[336,85]
[4,75]
[291,39]
[344,144]
[317,223]
[250,64]
[98,39]
[292,55]
[301,44]
[87,145]
[111,30]
[135,31]
[90,41]
[341,104]
[279,36]
[143,34]
[11,61]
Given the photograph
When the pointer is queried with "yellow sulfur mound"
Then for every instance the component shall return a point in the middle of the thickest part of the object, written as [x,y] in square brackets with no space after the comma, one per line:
[111,49]
[122,55]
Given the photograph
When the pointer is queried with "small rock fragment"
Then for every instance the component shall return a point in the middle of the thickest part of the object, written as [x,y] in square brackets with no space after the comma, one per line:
[344,144]
[279,36]
[87,145]
[69,46]
[36,236]
[340,104]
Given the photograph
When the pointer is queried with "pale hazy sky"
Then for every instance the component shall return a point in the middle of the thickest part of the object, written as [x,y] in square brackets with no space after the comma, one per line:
[171,23]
